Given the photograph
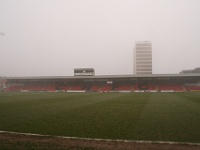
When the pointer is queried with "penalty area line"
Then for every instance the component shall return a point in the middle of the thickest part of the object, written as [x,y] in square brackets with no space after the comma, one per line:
[103,140]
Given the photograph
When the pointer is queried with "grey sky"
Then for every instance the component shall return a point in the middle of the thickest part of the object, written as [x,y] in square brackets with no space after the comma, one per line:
[51,37]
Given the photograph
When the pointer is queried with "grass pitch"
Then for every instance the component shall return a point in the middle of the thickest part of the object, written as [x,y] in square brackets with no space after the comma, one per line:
[128,116]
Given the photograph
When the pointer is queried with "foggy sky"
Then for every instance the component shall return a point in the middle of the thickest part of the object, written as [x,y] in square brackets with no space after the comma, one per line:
[52,37]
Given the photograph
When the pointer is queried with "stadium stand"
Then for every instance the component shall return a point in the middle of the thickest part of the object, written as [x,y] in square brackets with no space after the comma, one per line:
[64,87]
[77,87]
[49,88]
[13,88]
[192,88]
[32,87]
[152,87]
[123,87]
[171,87]
[145,86]
[86,87]
[136,83]
[95,87]
[106,88]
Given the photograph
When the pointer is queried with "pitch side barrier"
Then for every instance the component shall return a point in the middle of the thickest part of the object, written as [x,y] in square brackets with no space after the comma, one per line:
[120,91]
[112,91]
[145,91]
[76,91]
[167,91]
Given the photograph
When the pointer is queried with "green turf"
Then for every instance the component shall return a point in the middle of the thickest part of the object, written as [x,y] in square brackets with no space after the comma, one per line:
[131,116]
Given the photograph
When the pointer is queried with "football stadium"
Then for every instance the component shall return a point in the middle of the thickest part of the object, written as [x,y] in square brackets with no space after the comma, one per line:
[125,109]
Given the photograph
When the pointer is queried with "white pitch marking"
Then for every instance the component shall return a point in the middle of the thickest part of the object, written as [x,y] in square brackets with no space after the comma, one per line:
[107,140]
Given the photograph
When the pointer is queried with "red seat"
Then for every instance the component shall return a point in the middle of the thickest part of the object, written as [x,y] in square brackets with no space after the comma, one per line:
[95,88]
[124,87]
[192,88]
[171,87]
[106,88]
[77,87]
[49,88]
